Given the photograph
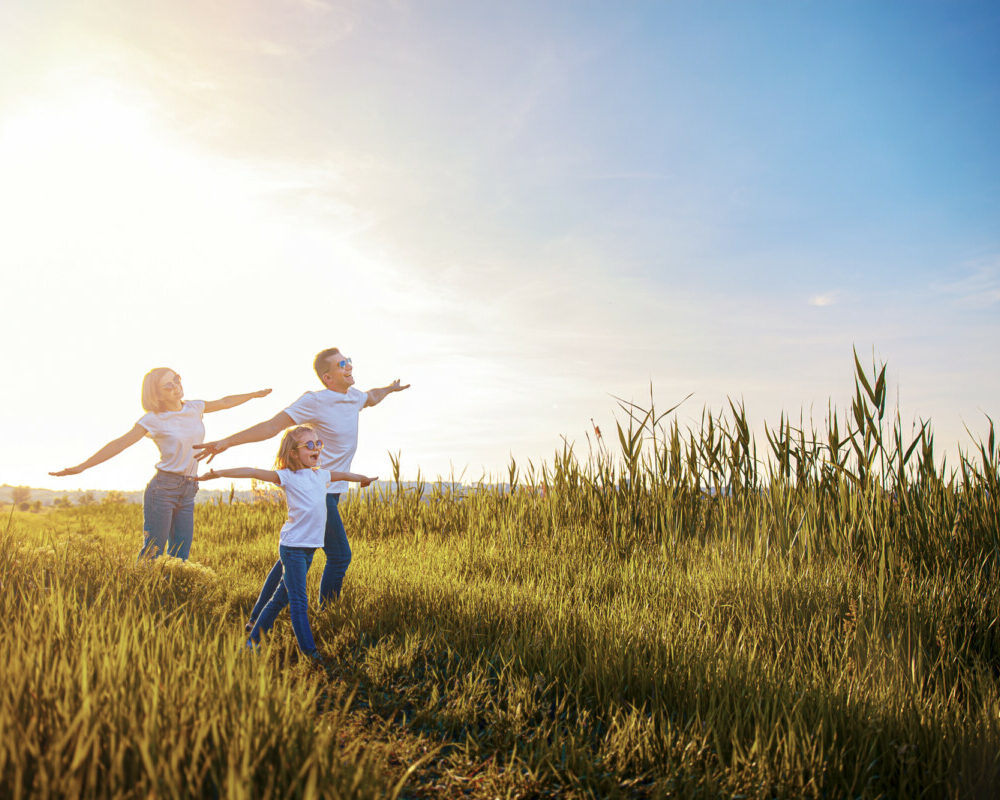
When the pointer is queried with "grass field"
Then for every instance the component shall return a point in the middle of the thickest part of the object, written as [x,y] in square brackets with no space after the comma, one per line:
[682,617]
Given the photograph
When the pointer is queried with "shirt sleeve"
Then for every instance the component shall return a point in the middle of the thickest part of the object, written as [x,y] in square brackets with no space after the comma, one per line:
[146,421]
[198,406]
[303,409]
[362,399]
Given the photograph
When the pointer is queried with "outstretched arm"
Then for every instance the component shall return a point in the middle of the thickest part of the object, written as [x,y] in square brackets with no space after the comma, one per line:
[364,480]
[233,400]
[258,433]
[241,472]
[376,396]
[109,450]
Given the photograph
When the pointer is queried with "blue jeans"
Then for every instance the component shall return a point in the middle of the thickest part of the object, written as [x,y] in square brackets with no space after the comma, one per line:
[168,515]
[338,559]
[291,592]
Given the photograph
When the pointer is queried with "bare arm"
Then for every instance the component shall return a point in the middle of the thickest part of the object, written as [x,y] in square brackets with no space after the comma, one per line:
[376,396]
[241,472]
[109,450]
[258,433]
[364,480]
[233,400]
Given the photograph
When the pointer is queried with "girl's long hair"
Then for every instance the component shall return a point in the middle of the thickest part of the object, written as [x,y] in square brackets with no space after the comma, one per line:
[287,458]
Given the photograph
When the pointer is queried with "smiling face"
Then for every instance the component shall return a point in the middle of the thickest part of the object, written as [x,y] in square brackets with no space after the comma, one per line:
[170,390]
[305,454]
[338,376]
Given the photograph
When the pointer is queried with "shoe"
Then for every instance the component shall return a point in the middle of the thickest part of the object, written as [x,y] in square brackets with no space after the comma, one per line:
[317,659]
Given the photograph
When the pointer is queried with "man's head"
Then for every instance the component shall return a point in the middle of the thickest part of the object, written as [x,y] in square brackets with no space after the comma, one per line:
[334,369]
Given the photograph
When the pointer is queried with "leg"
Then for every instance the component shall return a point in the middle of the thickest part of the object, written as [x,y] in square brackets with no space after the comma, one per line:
[269,613]
[266,591]
[338,552]
[296,561]
[182,529]
[157,517]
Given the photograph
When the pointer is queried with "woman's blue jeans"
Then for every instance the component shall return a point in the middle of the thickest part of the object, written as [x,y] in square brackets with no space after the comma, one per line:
[338,559]
[291,592]
[168,515]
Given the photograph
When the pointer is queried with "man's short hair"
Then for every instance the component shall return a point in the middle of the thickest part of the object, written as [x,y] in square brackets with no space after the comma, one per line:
[320,362]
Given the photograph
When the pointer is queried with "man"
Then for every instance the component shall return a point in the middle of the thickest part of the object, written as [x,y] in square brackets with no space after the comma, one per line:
[333,413]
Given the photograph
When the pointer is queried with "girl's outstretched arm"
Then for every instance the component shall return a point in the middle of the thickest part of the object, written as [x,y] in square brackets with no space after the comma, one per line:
[241,472]
[364,480]
[109,450]
[233,400]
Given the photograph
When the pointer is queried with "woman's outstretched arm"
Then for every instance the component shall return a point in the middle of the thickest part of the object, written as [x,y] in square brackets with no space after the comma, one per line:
[233,400]
[241,472]
[109,450]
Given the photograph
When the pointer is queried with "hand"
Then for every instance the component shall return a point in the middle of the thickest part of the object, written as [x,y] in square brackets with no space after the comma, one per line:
[67,471]
[261,393]
[209,450]
[207,476]
[395,387]
[365,481]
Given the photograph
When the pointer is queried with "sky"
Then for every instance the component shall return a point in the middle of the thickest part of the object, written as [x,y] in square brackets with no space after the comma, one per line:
[523,209]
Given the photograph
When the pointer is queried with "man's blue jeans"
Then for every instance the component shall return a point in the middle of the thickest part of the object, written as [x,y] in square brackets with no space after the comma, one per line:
[168,515]
[291,592]
[338,559]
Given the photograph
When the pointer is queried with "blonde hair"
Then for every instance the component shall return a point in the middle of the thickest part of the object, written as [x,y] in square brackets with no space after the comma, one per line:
[287,448]
[151,400]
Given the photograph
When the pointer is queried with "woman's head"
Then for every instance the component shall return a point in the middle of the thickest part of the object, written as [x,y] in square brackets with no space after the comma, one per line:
[161,388]
[299,449]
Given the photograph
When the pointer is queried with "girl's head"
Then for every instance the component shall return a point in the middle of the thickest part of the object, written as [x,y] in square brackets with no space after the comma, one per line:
[299,449]
[161,389]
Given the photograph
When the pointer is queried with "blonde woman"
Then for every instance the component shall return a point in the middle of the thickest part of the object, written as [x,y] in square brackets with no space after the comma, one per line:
[175,424]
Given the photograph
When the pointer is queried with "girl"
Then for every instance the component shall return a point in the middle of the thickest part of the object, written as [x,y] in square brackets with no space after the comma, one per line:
[302,533]
[175,425]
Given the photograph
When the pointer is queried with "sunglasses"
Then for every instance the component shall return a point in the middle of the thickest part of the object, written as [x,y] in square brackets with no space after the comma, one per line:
[344,362]
[311,445]
[172,384]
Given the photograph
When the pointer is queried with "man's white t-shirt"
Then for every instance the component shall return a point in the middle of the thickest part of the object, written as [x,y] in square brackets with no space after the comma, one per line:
[175,433]
[334,417]
[305,494]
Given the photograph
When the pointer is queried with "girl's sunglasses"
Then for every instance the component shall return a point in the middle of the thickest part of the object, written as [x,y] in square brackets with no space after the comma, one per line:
[311,445]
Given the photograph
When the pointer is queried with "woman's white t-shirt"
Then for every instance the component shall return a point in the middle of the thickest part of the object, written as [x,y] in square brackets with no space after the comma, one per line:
[174,433]
[305,493]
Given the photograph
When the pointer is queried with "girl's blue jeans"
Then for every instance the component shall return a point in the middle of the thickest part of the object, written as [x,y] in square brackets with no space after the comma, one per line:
[291,592]
[338,559]
[168,515]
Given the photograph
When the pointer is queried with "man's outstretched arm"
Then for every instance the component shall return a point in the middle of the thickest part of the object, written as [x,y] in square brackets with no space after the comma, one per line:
[258,433]
[376,396]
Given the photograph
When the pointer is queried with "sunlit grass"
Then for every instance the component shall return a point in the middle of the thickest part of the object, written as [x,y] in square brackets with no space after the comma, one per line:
[684,616]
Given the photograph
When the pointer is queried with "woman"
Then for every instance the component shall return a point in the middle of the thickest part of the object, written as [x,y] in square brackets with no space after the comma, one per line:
[175,425]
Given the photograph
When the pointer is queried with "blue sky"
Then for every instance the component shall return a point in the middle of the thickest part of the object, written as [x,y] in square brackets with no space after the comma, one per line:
[521,208]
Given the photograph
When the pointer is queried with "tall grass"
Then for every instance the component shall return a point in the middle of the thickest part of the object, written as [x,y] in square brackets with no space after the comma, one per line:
[678,614]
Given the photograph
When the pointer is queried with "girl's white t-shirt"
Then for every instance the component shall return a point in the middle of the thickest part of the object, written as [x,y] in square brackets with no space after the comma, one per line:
[305,493]
[174,433]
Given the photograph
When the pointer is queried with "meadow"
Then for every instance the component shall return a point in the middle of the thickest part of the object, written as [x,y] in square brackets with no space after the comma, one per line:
[676,613]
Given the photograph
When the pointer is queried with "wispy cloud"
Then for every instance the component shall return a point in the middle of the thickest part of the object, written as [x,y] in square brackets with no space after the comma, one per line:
[825,299]
[979,288]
